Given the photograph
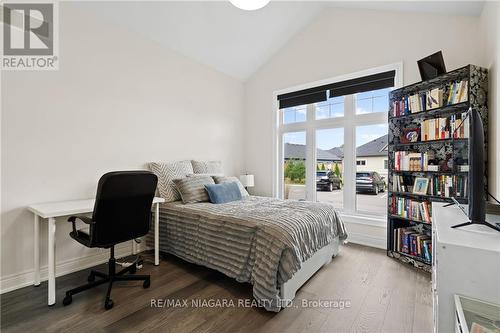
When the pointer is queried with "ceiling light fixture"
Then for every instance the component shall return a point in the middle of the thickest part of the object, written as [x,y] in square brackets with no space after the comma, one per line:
[250,4]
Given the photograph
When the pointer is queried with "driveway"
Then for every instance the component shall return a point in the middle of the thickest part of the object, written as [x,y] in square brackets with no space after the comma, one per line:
[366,202]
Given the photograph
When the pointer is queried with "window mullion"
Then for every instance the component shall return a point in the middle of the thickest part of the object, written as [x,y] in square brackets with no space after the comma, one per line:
[349,155]
[310,153]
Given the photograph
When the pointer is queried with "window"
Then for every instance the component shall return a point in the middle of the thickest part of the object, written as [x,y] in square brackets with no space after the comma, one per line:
[328,134]
[331,108]
[294,165]
[372,101]
[329,168]
[294,114]
[371,141]
[386,164]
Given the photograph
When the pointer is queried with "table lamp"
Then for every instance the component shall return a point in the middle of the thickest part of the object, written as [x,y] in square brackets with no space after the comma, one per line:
[247,181]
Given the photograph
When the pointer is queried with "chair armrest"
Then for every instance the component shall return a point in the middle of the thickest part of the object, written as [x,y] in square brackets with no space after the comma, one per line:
[84,219]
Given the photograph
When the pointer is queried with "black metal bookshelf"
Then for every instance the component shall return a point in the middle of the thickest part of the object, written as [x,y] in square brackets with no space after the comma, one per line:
[451,150]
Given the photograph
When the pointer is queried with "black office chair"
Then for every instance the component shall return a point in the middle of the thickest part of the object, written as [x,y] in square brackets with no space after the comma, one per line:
[122,212]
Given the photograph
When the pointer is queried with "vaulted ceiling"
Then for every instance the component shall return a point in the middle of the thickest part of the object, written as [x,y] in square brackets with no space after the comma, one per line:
[238,42]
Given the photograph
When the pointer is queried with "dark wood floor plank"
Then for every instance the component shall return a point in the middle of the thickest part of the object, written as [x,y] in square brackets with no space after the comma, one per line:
[360,274]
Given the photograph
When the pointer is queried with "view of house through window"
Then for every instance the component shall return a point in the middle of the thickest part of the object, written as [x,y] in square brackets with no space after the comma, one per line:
[353,179]
[371,173]
[329,168]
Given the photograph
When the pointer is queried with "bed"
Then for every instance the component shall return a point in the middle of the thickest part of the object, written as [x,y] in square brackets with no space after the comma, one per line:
[276,245]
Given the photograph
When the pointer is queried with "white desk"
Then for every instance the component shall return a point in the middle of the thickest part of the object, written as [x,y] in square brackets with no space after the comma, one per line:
[52,210]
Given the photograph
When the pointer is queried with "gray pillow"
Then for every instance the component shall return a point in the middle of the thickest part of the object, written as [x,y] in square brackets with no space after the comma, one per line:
[192,189]
[166,173]
[207,167]
[225,179]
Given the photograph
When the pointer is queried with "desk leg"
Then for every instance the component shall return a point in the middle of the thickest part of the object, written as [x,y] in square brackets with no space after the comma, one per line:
[134,247]
[36,251]
[157,234]
[52,261]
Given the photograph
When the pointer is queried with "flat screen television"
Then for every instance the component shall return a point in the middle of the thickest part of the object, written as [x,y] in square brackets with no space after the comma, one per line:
[477,194]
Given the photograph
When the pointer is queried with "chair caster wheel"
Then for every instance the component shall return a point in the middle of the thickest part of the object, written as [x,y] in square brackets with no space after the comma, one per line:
[67,300]
[91,278]
[108,304]
[146,284]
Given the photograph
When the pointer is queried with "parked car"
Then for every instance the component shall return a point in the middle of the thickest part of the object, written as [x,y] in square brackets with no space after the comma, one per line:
[327,180]
[369,181]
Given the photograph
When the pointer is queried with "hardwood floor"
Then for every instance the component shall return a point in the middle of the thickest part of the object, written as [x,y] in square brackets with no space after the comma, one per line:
[384,296]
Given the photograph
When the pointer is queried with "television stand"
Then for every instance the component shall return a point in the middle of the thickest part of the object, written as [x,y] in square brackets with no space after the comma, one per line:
[480,223]
[455,202]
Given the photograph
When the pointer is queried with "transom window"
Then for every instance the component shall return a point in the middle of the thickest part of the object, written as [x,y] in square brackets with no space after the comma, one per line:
[294,114]
[331,108]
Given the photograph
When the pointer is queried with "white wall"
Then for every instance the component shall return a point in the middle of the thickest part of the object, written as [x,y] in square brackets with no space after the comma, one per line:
[490,33]
[117,102]
[343,41]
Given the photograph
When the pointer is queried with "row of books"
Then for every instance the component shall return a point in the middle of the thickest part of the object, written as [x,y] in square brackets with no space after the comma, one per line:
[445,128]
[407,240]
[412,161]
[409,104]
[425,101]
[458,92]
[448,186]
[403,183]
[439,185]
[411,209]
[418,102]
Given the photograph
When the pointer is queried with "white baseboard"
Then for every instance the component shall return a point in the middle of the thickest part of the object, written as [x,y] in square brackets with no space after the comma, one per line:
[20,280]
[377,242]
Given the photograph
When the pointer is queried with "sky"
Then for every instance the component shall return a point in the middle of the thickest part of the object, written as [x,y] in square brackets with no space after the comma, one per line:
[368,102]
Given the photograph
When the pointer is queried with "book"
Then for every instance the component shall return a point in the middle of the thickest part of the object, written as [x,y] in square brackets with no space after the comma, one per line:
[434,99]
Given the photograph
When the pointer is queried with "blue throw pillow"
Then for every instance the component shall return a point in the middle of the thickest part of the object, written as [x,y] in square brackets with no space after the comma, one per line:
[222,193]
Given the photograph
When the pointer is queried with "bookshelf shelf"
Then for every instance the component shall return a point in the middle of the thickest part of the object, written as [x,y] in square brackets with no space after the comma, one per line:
[422,260]
[429,142]
[447,153]
[447,109]
[408,219]
[430,172]
[412,260]
[426,196]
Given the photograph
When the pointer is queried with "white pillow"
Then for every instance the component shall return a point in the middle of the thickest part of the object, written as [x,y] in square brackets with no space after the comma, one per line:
[207,167]
[166,173]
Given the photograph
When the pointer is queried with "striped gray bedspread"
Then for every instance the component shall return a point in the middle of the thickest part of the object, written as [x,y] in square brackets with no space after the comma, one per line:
[258,240]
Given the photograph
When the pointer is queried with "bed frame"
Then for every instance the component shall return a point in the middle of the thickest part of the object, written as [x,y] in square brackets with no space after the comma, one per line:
[309,267]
